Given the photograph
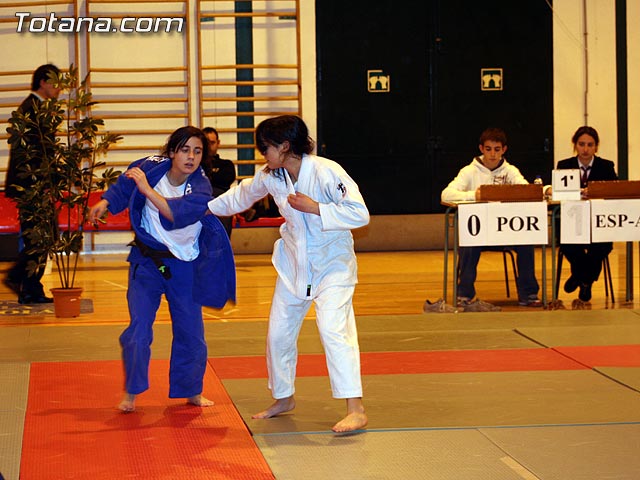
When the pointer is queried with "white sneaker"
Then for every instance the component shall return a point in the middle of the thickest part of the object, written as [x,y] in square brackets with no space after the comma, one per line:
[438,306]
[478,306]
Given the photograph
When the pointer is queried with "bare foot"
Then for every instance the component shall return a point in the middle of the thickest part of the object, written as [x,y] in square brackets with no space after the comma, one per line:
[128,403]
[279,406]
[355,419]
[200,401]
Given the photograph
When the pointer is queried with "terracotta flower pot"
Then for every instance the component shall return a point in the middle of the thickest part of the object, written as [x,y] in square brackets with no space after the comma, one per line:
[66,301]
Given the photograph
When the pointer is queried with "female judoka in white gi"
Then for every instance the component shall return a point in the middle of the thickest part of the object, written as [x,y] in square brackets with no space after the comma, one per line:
[177,251]
[314,259]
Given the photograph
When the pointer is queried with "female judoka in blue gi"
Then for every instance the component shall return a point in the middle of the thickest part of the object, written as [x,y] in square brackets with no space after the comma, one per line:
[177,252]
[314,259]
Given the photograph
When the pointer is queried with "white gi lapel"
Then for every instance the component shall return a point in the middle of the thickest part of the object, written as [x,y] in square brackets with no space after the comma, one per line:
[298,229]
[305,176]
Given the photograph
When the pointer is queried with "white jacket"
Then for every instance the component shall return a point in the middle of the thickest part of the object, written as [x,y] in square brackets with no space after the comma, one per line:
[314,251]
[469,178]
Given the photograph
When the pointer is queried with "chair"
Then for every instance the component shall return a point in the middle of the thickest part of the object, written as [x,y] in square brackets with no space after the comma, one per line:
[606,270]
[507,251]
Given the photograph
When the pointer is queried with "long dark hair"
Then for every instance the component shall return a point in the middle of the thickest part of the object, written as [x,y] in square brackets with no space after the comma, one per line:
[181,136]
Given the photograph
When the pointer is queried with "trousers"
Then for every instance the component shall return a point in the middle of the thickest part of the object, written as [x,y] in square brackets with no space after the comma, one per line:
[586,260]
[336,324]
[525,259]
[30,285]
[188,348]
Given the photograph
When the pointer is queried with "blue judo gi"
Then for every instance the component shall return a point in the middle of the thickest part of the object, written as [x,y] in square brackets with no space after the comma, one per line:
[208,280]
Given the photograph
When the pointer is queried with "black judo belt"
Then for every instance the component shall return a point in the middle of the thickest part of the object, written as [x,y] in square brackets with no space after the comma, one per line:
[156,256]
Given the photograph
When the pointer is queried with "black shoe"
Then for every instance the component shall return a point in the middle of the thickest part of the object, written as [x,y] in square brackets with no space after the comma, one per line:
[571,284]
[31,299]
[585,292]
[11,285]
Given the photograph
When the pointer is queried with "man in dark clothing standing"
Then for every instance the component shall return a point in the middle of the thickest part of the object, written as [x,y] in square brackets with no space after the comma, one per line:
[29,287]
[221,172]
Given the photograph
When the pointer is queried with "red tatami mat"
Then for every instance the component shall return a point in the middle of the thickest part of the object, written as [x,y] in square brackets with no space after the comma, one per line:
[605,355]
[73,429]
[386,363]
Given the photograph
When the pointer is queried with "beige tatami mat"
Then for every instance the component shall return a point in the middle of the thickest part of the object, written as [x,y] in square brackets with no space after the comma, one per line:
[14,382]
[428,455]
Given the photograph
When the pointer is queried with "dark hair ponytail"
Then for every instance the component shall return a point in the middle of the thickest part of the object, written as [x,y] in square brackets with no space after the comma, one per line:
[285,128]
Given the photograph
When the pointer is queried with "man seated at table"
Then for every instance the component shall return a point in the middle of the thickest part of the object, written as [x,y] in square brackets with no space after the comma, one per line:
[490,168]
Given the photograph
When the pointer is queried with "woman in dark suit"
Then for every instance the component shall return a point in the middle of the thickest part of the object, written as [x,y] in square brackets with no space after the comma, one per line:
[586,260]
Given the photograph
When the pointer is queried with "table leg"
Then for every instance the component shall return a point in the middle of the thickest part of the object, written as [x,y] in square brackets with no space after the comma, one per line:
[554,290]
[629,272]
[455,259]
[446,254]
[544,275]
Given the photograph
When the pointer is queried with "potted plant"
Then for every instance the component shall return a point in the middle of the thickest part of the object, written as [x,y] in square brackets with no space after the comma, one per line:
[57,205]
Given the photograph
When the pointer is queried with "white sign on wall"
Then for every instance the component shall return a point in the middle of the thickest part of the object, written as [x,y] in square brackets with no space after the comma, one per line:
[378,81]
[491,79]
[575,225]
[615,220]
[502,223]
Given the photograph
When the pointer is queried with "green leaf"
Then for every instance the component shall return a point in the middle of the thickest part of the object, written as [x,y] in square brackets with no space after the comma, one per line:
[62,167]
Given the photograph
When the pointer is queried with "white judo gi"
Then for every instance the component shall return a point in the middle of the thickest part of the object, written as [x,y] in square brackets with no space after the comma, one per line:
[316,263]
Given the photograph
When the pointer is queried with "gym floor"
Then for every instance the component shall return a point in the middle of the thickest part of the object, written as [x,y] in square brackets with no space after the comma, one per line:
[520,394]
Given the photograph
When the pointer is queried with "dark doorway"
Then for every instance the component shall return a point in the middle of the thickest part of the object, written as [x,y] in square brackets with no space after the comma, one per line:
[404,145]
